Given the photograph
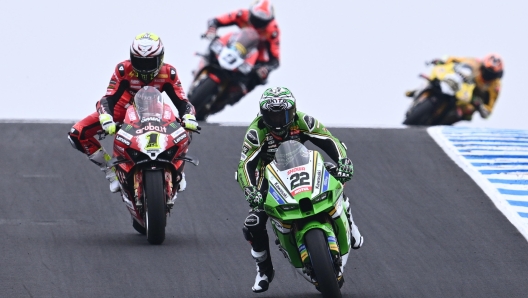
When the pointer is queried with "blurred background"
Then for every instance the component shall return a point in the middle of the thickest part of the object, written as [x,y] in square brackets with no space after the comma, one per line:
[347,62]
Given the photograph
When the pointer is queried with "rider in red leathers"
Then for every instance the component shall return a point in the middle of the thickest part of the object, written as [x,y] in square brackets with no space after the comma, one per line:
[261,17]
[145,68]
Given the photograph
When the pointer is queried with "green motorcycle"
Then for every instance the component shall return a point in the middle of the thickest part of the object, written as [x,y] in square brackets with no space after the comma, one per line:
[307,213]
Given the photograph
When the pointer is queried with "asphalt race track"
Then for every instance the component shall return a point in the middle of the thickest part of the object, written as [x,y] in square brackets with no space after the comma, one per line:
[429,230]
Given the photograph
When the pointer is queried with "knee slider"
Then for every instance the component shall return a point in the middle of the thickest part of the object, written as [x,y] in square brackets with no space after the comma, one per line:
[73,137]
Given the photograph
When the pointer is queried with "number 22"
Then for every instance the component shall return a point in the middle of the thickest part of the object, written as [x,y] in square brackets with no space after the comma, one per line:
[299,179]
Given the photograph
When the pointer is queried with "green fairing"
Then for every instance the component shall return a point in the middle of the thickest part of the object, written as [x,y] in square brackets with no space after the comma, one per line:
[291,242]
[318,131]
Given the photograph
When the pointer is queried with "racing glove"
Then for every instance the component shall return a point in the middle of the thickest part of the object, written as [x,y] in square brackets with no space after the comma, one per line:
[479,105]
[108,124]
[345,170]
[253,196]
[189,122]
[262,73]
[211,33]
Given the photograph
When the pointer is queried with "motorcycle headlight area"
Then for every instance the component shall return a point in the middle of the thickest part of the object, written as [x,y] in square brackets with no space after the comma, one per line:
[320,198]
[137,156]
[289,207]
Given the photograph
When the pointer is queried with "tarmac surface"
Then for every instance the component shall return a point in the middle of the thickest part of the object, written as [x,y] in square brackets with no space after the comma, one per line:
[429,230]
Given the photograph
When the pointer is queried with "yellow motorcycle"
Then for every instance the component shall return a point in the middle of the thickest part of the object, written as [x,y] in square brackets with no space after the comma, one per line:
[448,92]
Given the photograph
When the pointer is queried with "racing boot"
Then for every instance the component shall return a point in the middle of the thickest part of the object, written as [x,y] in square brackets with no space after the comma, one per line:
[183,183]
[100,157]
[265,271]
[357,239]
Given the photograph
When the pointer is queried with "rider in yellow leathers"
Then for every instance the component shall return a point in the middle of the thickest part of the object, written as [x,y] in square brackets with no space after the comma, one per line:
[485,74]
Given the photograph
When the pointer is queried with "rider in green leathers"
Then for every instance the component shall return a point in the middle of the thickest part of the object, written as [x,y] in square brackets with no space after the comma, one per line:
[280,121]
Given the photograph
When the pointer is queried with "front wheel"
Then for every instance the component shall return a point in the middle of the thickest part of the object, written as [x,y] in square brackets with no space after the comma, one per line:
[322,263]
[155,207]
[420,113]
[202,97]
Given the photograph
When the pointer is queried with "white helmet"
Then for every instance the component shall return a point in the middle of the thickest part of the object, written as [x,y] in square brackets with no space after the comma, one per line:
[146,56]
[261,13]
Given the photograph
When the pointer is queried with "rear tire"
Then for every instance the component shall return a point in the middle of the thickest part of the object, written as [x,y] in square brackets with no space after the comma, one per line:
[420,114]
[203,95]
[322,263]
[155,207]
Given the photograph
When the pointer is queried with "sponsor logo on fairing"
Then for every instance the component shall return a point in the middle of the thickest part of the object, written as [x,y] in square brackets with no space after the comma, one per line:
[280,190]
[178,132]
[326,180]
[125,134]
[301,189]
[134,82]
[297,169]
[151,127]
[181,137]
[147,119]
[276,196]
[119,148]
[123,140]
[318,179]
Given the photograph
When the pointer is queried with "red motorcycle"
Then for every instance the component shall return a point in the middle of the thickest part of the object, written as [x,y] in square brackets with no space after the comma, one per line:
[150,151]
[228,61]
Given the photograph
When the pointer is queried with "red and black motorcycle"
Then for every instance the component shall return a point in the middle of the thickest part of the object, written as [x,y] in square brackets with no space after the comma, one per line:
[228,61]
[150,150]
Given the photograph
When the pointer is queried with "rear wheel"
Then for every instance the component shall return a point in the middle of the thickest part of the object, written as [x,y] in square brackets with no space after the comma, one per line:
[420,114]
[322,263]
[201,96]
[155,207]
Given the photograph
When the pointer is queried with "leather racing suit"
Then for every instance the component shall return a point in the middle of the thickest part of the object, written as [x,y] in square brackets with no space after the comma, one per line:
[258,150]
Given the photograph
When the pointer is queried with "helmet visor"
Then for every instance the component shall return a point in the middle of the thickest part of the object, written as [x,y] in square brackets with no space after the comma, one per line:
[145,64]
[278,119]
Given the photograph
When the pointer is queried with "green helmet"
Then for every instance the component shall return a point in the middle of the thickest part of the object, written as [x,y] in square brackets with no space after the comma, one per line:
[278,109]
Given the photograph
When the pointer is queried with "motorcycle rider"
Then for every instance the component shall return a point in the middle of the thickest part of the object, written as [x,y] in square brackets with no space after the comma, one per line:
[277,122]
[261,17]
[486,74]
[145,68]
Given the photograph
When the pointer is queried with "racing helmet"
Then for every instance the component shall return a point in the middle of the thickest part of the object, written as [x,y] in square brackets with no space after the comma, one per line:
[261,13]
[146,56]
[278,109]
[491,67]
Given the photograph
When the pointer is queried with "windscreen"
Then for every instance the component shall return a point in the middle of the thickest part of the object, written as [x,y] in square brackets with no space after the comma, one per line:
[244,41]
[291,154]
[149,104]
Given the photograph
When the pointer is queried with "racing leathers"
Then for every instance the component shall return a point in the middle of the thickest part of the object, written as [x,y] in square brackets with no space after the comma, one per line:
[123,85]
[486,92]
[258,150]
[268,48]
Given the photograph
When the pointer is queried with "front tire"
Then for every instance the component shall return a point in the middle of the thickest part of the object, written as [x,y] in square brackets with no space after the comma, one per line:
[201,96]
[155,206]
[322,263]
[420,114]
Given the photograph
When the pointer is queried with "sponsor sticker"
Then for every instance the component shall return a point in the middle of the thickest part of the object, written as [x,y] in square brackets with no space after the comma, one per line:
[252,137]
[124,134]
[297,169]
[123,140]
